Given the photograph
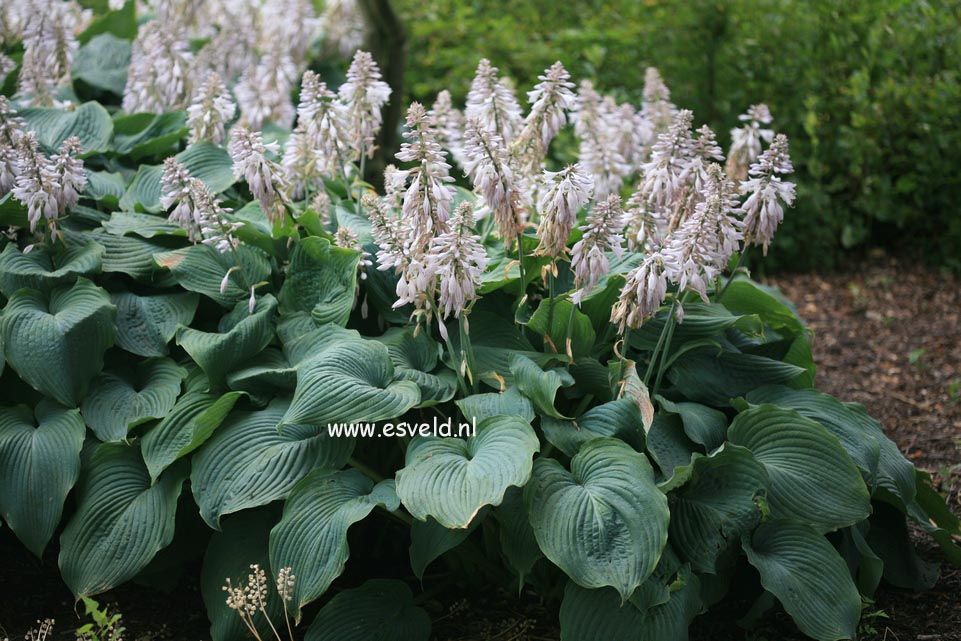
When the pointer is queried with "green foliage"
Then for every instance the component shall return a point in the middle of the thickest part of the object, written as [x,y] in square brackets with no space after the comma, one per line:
[867,93]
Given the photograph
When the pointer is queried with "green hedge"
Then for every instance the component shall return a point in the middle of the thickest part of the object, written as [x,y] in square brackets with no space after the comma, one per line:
[868,91]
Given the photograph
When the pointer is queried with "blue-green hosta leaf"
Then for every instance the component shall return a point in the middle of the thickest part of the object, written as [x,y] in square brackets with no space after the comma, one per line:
[700,321]
[804,571]
[429,540]
[321,280]
[495,340]
[145,324]
[744,296]
[312,534]
[706,375]
[13,213]
[39,464]
[416,359]
[90,122]
[477,407]
[620,419]
[43,270]
[888,536]
[669,446]
[452,479]
[812,478]
[104,187]
[203,160]
[268,374]
[102,63]
[56,341]
[148,134]
[555,326]
[605,522]
[704,425]
[242,335]
[350,382]
[516,535]
[124,223]
[587,615]
[877,456]
[717,505]
[538,385]
[248,462]
[379,610]
[122,399]
[129,255]
[230,553]
[122,520]
[188,424]
[201,269]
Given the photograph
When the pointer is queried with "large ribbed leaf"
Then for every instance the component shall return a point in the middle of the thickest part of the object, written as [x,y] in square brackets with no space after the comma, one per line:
[495,340]
[122,520]
[564,322]
[717,505]
[147,134]
[104,187]
[203,160]
[700,321]
[429,540]
[102,63]
[267,374]
[516,535]
[415,356]
[123,398]
[241,335]
[185,428]
[39,464]
[812,479]
[248,462]
[713,377]
[744,296]
[124,223]
[605,522]
[538,385]
[379,610]
[704,425]
[201,269]
[477,407]
[321,280]
[90,122]
[312,534]
[145,324]
[620,418]
[877,456]
[452,479]
[349,382]
[809,578]
[56,341]
[43,270]
[128,255]
[230,553]
[591,615]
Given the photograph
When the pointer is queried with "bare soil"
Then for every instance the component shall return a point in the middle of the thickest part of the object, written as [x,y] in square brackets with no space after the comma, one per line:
[887,335]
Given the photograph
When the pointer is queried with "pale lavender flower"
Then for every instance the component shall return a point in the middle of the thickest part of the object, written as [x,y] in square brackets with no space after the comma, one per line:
[670,158]
[158,78]
[347,238]
[657,108]
[387,232]
[263,92]
[562,194]
[395,184]
[428,199]
[492,103]
[646,223]
[212,108]
[364,94]
[763,208]
[321,205]
[550,100]
[704,153]
[49,46]
[11,128]
[36,186]
[292,25]
[315,146]
[449,122]
[598,151]
[197,211]
[175,193]
[601,235]
[458,260]
[263,175]
[344,26]
[643,293]
[68,169]
[746,140]
[486,163]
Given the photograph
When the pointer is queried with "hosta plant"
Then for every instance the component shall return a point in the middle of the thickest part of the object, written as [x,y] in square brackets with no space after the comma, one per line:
[218,339]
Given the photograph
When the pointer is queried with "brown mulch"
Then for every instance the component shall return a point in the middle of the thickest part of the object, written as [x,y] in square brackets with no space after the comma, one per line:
[887,335]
